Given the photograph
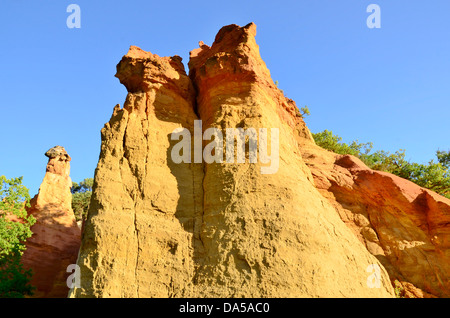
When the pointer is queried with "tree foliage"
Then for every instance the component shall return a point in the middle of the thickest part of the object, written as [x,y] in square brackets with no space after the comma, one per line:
[304,111]
[433,175]
[81,197]
[15,227]
[444,158]
[327,140]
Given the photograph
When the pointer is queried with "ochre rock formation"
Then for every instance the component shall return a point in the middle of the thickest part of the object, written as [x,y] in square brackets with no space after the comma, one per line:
[157,228]
[56,237]
[139,239]
[405,226]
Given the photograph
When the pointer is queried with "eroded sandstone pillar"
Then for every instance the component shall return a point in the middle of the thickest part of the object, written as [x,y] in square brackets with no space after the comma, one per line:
[56,236]
[140,235]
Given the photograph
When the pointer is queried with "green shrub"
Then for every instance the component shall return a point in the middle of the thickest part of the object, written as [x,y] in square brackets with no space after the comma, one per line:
[434,175]
[81,197]
[14,197]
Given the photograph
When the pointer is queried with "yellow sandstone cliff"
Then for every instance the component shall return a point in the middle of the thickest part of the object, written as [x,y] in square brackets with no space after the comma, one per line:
[157,228]
[316,224]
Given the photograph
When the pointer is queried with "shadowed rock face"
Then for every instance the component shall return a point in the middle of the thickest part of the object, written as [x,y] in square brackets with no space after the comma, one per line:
[56,237]
[160,229]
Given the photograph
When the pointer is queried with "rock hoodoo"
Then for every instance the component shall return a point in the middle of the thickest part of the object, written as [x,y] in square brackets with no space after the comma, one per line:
[56,237]
[157,228]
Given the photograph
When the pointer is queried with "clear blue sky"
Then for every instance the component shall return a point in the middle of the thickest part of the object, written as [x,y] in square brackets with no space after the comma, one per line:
[390,85]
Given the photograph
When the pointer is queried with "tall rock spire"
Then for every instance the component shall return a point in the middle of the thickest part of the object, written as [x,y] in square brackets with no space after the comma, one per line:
[56,236]
[267,235]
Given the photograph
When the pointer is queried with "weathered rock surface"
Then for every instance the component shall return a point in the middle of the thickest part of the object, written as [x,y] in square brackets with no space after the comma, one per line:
[56,237]
[156,228]
[139,237]
[405,226]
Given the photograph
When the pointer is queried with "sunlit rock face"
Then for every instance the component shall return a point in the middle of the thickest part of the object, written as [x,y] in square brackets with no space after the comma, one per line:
[157,228]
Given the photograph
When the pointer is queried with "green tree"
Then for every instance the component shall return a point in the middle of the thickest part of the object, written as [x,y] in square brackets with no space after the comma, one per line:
[434,175]
[444,158]
[326,139]
[15,227]
[81,197]
[305,111]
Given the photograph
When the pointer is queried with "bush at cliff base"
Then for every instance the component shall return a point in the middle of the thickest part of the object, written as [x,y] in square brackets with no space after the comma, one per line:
[15,227]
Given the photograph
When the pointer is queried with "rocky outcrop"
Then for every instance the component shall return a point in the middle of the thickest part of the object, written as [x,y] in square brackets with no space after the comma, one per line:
[139,237]
[405,226]
[158,228]
[56,237]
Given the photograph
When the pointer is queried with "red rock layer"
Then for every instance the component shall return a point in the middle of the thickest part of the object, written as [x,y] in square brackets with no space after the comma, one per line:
[405,226]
